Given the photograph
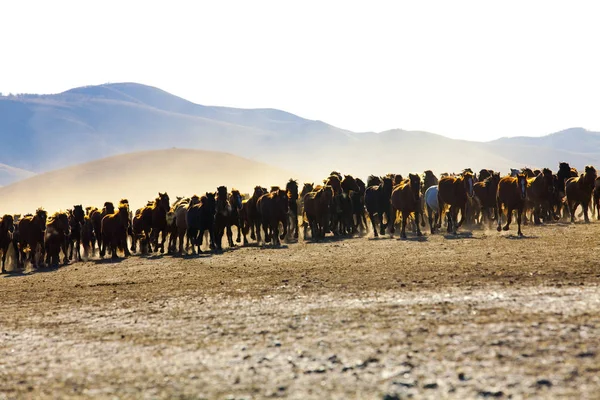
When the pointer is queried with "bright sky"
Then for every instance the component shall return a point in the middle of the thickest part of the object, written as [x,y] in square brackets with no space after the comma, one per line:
[474,70]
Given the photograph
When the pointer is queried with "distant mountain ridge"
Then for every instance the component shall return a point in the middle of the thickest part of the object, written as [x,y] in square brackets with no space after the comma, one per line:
[45,132]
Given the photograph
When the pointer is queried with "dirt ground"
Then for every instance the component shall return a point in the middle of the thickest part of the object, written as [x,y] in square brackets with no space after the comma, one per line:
[484,314]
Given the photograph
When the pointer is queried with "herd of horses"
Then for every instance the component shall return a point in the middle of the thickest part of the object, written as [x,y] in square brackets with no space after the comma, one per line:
[341,206]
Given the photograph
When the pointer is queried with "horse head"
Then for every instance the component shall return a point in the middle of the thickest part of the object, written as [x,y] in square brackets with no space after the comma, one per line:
[78,213]
[42,216]
[415,185]
[236,199]
[8,224]
[163,201]
[590,174]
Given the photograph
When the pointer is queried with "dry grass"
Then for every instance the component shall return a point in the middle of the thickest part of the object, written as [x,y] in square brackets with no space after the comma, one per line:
[485,314]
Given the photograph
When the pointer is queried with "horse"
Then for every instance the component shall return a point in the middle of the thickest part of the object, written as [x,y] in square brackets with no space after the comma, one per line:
[31,233]
[273,210]
[429,180]
[154,221]
[596,197]
[171,231]
[540,190]
[485,173]
[512,192]
[223,218]
[455,192]
[235,219]
[377,202]
[7,228]
[433,208]
[292,193]
[87,236]
[76,218]
[97,216]
[179,209]
[114,231]
[406,198]
[56,237]
[579,191]
[485,194]
[358,207]
[317,206]
[201,219]
[528,172]
[251,217]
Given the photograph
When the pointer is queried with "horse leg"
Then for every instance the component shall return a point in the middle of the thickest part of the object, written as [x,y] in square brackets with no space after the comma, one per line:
[372,218]
[230,235]
[257,228]
[508,218]
[238,225]
[585,211]
[4,259]
[403,228]
[253,229]
[519,212]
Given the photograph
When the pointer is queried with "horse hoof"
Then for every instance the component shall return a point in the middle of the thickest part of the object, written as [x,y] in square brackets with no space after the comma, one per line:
[419,234]
[505,228]
[499,228]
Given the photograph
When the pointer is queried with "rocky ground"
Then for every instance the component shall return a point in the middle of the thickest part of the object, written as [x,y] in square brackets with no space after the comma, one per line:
[479,315]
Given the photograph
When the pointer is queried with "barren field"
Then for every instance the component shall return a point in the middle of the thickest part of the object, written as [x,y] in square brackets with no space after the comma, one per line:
[481,315]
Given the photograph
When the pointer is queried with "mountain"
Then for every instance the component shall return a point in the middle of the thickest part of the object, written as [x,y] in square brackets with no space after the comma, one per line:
[138,177]
[45,132]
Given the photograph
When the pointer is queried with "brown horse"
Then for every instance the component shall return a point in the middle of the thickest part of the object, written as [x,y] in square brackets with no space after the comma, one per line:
[154,219]
[406,198]
[114,232]
[485,194]
[579,191]
[273,210]
[87,236]
[236,200]
[377,202]
[97,216]
[31,234]
[512,192]
[223,218]
[55,238]
[317,207]
[540,191]
[596,197]
[292,192]
[76,217]
[455,192]
[7,228]
[251,217]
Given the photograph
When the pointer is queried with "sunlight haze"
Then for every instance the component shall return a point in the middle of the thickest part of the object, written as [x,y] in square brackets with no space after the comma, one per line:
[467,70]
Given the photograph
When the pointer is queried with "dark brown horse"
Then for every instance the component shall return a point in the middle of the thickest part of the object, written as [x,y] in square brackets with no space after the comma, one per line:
[579,191]
[251,217]
[223,218]
[76,217]
[512,192]
[292,192]
[7,228]
[56,237]
[429,179]
[87,236]
[114,232]
[201,219]
[596,197]
[273,210]
[154,219]
[455,191]
[406,198]
[485,194]
[97,216]
[236,200]
[358,207]
[377,202]
[31,234]
[540,192]
[317,207]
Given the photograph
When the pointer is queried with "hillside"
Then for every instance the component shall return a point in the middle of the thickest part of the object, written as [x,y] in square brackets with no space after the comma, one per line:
[45,132]
[138,177]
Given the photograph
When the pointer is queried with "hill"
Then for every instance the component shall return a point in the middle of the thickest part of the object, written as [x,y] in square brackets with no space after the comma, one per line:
[138,177]
[46,132]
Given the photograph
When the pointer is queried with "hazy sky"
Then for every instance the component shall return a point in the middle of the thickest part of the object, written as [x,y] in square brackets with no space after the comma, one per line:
[465,69]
